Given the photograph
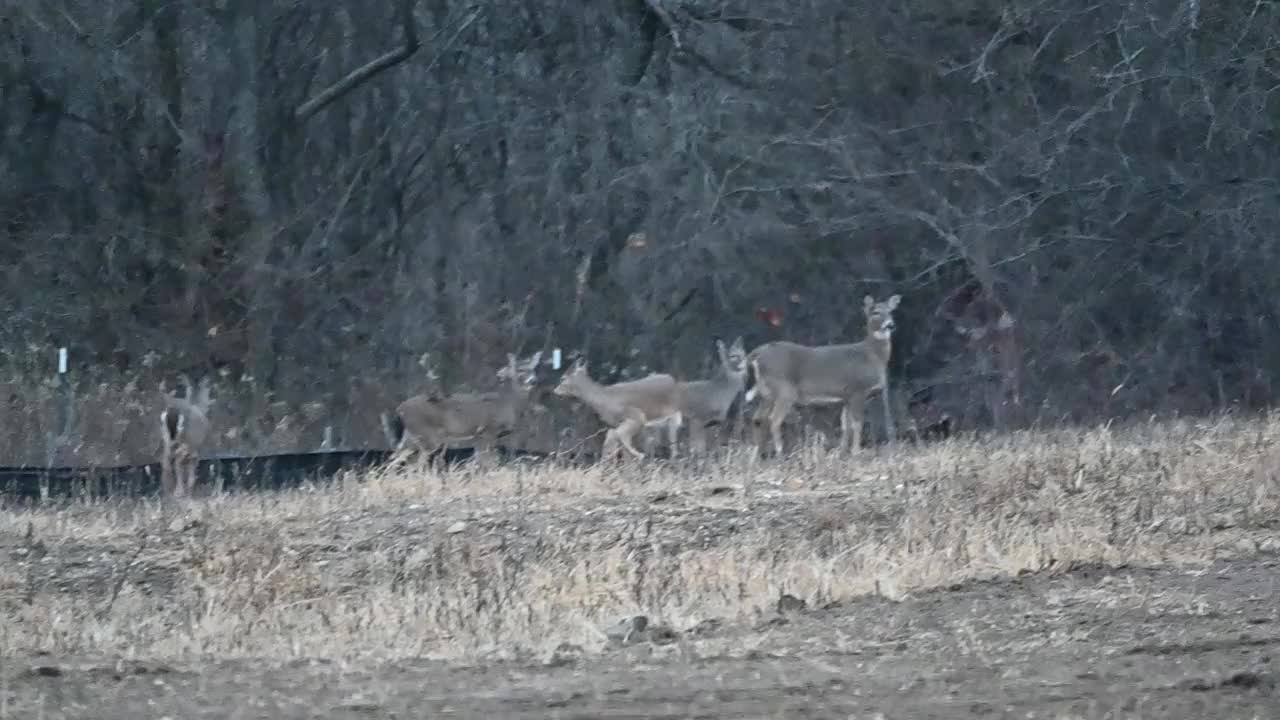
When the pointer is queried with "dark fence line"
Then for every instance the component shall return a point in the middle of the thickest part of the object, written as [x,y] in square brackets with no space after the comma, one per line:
[24,485]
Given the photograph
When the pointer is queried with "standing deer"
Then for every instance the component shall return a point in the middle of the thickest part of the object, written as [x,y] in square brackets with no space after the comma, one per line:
[787,374]
[704,403]
[184,428]
[434,423]
[627,407]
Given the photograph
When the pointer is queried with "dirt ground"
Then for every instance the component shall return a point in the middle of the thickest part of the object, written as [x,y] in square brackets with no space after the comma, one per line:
[964,583]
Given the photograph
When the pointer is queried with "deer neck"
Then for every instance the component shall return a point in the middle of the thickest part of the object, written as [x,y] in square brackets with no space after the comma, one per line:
[880,346]
[589,391]
[729,378]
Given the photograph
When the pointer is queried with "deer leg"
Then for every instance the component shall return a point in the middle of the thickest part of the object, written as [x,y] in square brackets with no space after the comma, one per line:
[618,439]
[439,456]
[610,447]
[673,434]
[178,467]
[851,424]
[167,479]
[192,465]
[697,438]
[758,419]
[192,462]
[782,406]
[179,471]
[430,448]
[166,468]
[625,431]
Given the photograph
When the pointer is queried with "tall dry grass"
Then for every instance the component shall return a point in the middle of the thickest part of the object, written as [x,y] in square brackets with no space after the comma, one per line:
[503,562]
[114,420]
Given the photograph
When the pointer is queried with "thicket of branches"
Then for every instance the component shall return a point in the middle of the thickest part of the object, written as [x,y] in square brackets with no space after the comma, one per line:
[345,203]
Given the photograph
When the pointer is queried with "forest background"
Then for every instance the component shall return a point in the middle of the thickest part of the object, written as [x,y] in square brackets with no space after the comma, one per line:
[331,206]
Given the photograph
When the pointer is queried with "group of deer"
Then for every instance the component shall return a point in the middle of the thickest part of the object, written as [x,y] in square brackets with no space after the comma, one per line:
[780,375]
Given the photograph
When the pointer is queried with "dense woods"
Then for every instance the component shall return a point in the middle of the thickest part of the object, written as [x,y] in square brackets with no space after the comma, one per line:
[331,206]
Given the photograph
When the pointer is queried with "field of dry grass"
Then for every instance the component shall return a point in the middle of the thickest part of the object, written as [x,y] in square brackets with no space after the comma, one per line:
[441,578]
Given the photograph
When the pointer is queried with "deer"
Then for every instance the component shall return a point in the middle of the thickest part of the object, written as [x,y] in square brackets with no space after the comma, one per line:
[432,423]
[184,429]
[704,403]
[786,375]
[626,407]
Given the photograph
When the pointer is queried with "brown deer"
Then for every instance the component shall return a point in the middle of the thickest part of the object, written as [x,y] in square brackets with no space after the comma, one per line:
[184,429]
[704,403]
[433,423]
[627,407]
[788,374]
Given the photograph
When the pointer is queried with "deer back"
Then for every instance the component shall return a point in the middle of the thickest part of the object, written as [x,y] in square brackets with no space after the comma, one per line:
[711,399]
[825,371]
[656,395]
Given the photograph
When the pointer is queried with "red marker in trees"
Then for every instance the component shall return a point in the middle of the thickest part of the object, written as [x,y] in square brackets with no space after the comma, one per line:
[769,316]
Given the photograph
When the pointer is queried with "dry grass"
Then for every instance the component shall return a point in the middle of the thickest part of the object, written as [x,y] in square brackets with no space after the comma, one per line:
[522,562]
[113,421]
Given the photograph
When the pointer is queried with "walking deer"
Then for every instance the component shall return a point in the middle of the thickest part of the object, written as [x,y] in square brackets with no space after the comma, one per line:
[432,423]
[704,403]
[184,429]
[627,407]
[788,374]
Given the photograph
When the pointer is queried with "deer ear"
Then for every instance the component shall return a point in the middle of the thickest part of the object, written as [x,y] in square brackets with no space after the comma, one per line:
[868,302]
[720,347]
[737,344]
[893,301]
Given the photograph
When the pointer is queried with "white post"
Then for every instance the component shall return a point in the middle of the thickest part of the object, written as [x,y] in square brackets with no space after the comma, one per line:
[62,432]
[555,359]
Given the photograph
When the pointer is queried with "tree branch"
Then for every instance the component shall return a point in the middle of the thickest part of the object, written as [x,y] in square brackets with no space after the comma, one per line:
[364,73]
[665,17]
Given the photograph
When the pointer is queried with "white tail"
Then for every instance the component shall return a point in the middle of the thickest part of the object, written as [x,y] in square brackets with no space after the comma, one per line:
[788,374]
[184,429]
[433,423]
[704,403]
[627,407]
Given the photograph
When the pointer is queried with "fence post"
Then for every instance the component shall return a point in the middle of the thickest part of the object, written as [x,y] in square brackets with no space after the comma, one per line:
[57,436]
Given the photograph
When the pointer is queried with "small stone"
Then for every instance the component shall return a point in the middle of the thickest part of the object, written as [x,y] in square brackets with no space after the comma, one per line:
[628,630]
[790,603]
[565,654]
[456,528]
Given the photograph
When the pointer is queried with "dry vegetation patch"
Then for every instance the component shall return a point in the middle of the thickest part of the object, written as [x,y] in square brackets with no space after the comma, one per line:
[536,562]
